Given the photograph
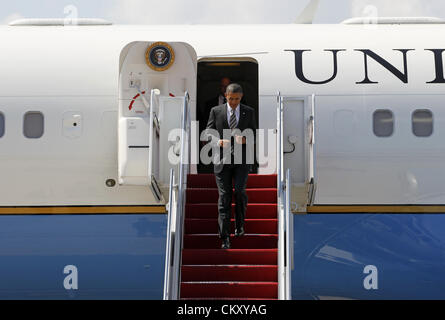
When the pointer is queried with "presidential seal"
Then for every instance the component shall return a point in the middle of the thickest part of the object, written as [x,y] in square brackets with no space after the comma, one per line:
[160,56]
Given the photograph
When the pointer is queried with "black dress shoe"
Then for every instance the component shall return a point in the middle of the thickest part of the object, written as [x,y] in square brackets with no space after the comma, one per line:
[240,232]
[226,244]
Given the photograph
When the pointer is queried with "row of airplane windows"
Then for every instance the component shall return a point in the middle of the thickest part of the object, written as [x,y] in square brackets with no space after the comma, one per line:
[422,123]
[33,124]
[383,123]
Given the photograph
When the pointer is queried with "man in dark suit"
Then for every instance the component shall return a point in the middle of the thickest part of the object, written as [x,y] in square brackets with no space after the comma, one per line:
[232,129]
[205,114]
[215,101]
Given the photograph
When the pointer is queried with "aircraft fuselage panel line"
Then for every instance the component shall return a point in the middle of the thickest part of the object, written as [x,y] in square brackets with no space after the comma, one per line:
[82,210]
[321,209]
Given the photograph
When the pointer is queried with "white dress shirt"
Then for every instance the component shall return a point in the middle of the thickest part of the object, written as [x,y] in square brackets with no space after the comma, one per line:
[229,114]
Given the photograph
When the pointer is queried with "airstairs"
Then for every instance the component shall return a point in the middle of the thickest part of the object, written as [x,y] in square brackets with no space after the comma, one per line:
[258,265]
[156,107]
[247,271]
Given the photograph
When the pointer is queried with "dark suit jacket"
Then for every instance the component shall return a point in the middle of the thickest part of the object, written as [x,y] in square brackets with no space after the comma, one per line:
[205,112]
[219,122]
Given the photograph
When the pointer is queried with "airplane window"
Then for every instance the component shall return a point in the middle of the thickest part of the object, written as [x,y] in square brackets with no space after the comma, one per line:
[383,123]
[33,125]
[2,124]
[422,123]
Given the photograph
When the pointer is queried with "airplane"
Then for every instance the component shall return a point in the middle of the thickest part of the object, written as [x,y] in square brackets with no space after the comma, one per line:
[93,207]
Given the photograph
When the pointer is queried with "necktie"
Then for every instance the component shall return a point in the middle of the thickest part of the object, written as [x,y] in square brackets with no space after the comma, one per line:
[232,119]
[232,126]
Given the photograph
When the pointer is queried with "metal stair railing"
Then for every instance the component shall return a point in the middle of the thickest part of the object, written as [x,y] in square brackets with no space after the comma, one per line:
[285,228]
[289,236]
[170,243]
[176,211]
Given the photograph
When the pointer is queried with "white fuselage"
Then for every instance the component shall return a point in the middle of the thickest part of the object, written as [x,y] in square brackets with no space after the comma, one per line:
[61,71]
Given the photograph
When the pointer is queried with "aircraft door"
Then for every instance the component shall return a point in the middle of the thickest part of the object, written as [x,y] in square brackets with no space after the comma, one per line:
[298,144]
[153,80]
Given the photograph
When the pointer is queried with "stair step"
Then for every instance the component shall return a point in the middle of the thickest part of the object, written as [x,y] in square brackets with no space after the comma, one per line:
[254,181]
[229,289]
[230,256]
[206,195]
[229,273]
[210,210]
[248,241]
[203,226]
[248,270]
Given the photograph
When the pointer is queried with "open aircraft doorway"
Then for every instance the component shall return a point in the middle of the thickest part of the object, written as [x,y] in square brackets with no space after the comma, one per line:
[212,74]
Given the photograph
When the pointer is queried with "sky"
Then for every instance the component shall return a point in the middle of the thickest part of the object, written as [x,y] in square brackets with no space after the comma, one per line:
[213,11]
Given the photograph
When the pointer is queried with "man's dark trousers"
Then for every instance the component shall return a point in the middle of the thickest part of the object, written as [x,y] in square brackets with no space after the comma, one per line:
[239,173]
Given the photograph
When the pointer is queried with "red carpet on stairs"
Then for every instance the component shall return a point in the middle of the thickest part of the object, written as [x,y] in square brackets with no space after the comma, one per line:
[249,269]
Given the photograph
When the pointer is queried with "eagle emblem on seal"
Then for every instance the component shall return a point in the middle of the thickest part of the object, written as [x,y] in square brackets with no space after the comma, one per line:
[160,56]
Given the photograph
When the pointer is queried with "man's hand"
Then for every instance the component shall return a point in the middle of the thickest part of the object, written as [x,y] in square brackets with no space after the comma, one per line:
[240,139]
[224,143]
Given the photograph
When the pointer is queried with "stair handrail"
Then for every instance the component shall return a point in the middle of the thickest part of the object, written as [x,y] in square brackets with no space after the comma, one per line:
[289,236]
[153,110]
[184,168]
[285,228]
[281,203]
[170,243]
[177,208]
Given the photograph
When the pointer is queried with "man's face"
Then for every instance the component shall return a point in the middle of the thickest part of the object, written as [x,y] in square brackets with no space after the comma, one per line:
[224,84]
[234,99]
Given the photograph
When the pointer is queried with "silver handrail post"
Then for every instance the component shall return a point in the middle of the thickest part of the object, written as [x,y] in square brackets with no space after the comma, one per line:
[183,171]
[289,236]
[170,239]
[281,203]
[176,208]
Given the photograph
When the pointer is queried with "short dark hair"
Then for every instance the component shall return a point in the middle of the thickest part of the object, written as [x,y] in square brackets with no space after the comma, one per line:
[234,88]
